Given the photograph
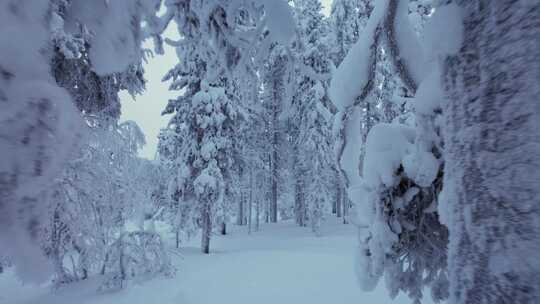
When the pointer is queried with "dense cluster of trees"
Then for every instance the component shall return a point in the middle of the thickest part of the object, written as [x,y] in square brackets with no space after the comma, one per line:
[282,113]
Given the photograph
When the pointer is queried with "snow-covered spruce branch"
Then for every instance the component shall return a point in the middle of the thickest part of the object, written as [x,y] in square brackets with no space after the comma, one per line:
[349,92]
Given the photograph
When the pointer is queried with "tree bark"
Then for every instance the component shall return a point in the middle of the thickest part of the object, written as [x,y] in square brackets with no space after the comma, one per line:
[339,198]
[492,161]
[274,162]
[250,205]
[274,193]
[240,216]
[223,229]
[267,201]
[346,203]
[257,214]
[206,230]
[300,202]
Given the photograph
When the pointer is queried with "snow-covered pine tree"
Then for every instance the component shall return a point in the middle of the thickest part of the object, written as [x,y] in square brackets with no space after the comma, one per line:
[179,213]
[209,123]
[490,197]
[311,116]
[206,115]
[275,88]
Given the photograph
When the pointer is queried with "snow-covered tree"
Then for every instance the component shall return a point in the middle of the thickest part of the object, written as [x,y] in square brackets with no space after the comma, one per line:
[310,132]
[274,77]
[490,201]
[104,188]
[206,116]
[206,126]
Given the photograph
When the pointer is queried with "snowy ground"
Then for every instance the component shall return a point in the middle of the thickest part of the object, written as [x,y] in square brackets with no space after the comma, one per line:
[280,264]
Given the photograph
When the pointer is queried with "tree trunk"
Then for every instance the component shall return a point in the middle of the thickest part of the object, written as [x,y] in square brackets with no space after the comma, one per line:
[223,229]
[104,265]
[177,237]
[339,198]
[257,214]
[267,201]
[274,160]
[274,189]
[206,230]
[240,215]
[267,211]
[250,198]
[300,203]
[492,161]
[346,204]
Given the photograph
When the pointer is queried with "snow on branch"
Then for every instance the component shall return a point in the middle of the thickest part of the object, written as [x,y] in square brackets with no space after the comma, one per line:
[354,79]
[403,45]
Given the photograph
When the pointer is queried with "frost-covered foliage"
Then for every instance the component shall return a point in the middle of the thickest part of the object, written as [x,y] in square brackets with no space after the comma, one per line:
[39,120]
[400,233]
[231,30]
[136,256]
[396,185]
[38,125]
[104,189]
[105,35]
[347,19]
[94,63]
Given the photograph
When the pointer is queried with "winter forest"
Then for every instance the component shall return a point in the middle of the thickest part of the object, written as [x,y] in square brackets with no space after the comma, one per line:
[315,151]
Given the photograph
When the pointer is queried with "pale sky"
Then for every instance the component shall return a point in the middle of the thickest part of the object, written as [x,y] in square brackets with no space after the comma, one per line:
[146,109]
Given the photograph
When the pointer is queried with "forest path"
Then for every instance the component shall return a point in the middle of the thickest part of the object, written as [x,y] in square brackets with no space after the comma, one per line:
[281,264]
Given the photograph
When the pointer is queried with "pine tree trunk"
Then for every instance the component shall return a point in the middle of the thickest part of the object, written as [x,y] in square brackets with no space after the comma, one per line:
[249,219]
[223,229]
[346,204]
[206,230]
[492,161]
[267,211]
[298,201]
[177,237]
[274,160]
[250,204]
[240,216]
[267,201]
[339,199]
[257,214]
[300,204]
[274,194]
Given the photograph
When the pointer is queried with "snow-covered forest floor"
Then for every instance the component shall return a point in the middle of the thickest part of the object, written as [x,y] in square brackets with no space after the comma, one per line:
[282,263]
